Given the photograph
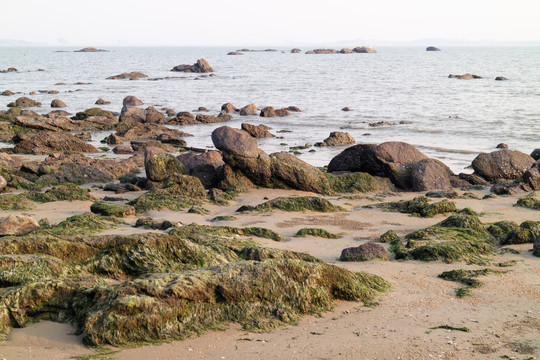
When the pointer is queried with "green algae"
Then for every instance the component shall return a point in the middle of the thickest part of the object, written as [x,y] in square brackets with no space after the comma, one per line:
[301,203]
[389,236]
[316,232]
[83,115]
[198,210]
[15,202]
[108,209]
[529,202]
[224,218]
[352,183]
[527,232]
[63,192]
[469,278]
[419,206]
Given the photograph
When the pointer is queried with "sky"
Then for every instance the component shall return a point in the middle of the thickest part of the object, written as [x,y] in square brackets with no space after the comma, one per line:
[252,22]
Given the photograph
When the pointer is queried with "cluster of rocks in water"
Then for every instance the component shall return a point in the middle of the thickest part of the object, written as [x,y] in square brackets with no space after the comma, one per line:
[91,279]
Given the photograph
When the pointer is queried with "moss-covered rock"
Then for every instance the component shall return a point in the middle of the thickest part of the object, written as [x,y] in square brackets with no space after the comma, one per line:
[15,202]
[301,203]
[177,193]
[527,232]
[419,206]
[500,230]
[389,236]
[198,210]
[63,192]
[224,218]
[352,183]
[529,202]
[459,237]
[316,232]
[160,167]
[108,209]
[83,115]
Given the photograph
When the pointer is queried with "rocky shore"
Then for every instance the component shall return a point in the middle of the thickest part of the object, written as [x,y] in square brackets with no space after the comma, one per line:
[158,241]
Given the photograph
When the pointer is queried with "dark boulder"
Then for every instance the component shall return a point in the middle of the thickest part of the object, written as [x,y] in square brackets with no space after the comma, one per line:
[536,154]
[432,48]
[500,78]
[206,166]
[296,51]
[502,164]
[365,252]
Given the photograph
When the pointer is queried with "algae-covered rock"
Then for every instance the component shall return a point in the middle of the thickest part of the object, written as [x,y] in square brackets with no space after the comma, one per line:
[316,232]
[389,236]
[529,202]
[527,232]
[258,295]
[459,237]
[364,252]
[501,229]
[63,192]
[352,183]
[301,203]
[108,209]
[419,206]
[160,167]
[83,115]
[177,192]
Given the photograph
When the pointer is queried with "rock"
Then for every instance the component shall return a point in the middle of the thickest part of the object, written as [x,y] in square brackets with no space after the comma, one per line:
[24,102]
[250,109]
[465,76]
[16,225]
[148,131]
[501,146]
[91,49]
[131,101]
[500,78]
[296,51]
[502,164]
[202,108]
[7,93]
[159,165]
[536,154]
[364,49]
[59,123]
[48,142]
[268,112]
[3,183]
[430,174]
[346,51]
[357,158]
[133,115]
[257,131]
[206,166]
[123,149]
[346,109]
[228,108]
[432,48]
[322,51]
[235,53]
[507,189]
[282,112]
[171,139]
[365,252]
[235,142]
[337,138]
[473,179]
[201,66]
[134,75]
[56,103]
[102,102]
[536,247]
[293,108]
[107,209]
[531,177]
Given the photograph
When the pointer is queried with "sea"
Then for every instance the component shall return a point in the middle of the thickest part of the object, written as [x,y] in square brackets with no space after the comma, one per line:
[407,88]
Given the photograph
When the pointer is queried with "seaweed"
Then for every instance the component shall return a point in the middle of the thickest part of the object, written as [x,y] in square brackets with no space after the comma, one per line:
[302,203]
[529,202]
[316,232]
[419,206]
[467,278]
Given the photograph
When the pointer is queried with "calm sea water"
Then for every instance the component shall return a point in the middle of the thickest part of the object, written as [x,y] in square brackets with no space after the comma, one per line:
[448,119]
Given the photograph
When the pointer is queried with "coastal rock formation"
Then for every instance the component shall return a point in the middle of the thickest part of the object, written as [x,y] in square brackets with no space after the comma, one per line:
[207,166]
[500,78]
[158,165]
[132,115]
[131,101]
[502,164]
[56,103]
[201,66]
[91,49]
[102,102]
[134,75]
[402,163]
[279,170]
[24,102]
[364,50]
[536,154]
[464,76]
[296,51]
[7,93]
[346,51]
[257,131]
[48,142]
[250,109]
[235,53]
[145,131]
[15,225]
[365,252]
[322,51]
[8,70]
[337,138]
[228,108]
[432,48]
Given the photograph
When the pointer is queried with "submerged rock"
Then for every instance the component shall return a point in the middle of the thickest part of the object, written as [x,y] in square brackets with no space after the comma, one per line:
[257,131]
[24,102]
[56,103]
[201,66]
[337,138]
[134,75]
[432,48]
[91,49]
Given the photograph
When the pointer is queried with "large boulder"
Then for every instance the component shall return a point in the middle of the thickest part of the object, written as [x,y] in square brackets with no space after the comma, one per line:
[531,177]
[536,154]
[131,101]
[365,252]
[49,142]
[502,164]
[432,48]
[235,142]
[201,66]
[364,49]
[15,225]
[250,109]
[24,102]
[357,158]
[57,103]
[430,174]
[206,166]
[337,138]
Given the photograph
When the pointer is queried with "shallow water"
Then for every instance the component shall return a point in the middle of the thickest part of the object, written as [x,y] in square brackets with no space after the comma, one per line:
[451,120]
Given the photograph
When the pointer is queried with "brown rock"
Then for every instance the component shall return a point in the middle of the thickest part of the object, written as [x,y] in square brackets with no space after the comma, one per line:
[159,166]
[430,174]
[364,49]
[131,101]
[465,76]
[337,138]
[502,164]
[16,225]
[91,49]
[201,66]
[296,51]
[134,75]
[102,102]
[56,103]
[282,112]
[236,142]
[501,146]
[323,51]
[531,177]
[500,78]
[365,252]
[346,51]
[473,179]
[257,131]
[50,142]
[250,109]
[123,149]
[268,112]
[24,102]
[228,108]
[206,166]
[7,93]
[294,108]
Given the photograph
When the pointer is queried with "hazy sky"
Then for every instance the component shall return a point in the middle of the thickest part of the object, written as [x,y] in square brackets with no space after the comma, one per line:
[276,22]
